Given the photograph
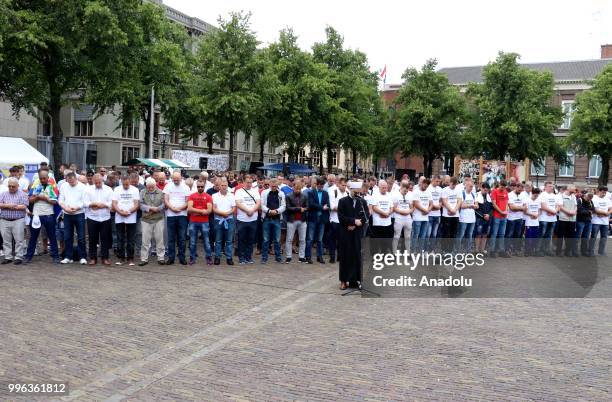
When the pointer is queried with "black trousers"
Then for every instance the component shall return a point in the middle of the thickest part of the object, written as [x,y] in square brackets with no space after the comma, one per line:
[126,237]
[99,233]
[565,231]
[448,226]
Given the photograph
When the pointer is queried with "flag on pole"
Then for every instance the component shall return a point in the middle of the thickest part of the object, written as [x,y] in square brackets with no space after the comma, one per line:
[383,74]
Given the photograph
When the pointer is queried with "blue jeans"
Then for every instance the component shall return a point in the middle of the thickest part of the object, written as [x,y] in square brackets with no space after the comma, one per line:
[603,238]
[272,230]
[433,230]
[177,232]
[72,222]
[315,232]
[195,228]
[224,232]
[464,230]
[48,222]
[246,240]
[514,232]
[498,231]
[419,235]
[583,230]
[546,232]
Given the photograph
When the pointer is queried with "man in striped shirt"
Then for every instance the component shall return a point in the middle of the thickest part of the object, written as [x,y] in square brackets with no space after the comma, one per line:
[13,205]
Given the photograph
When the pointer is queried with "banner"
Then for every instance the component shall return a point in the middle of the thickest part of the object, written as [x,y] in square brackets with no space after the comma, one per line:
[218,163]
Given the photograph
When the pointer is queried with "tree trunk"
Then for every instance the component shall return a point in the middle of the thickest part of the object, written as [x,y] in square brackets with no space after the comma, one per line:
[230,152]
[262,144]
[321,163]
[427,165]
[329,159]
[354,152]
[209,142]
[605,169]
[57,135]
[146,116]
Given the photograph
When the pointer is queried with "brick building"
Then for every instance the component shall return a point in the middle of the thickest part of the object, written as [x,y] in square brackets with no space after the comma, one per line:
[571,78]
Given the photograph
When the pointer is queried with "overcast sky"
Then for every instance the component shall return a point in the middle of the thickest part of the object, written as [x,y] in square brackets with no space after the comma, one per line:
[406,33]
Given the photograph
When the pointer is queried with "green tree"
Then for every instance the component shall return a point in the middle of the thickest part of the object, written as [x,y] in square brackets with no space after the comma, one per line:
[591,130]
[355,92]
[512,112]
[69,51]
[429,116]
[226,74]
[306,107]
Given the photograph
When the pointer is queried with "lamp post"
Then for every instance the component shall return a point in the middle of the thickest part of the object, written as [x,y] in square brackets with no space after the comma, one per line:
[164,136]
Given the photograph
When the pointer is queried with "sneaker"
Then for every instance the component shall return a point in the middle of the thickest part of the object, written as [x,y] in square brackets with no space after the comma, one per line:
[217,261]
[209,261]
[18,262]
[66,261]
[183,262]
[288,261]
[302,260]
[278,260]
[119,262]
[83,261]
[56,261]
[309,261]
[240,262]
[251,262]
[263,262]
[161,262]
[230,262]
[191,261]
[142,263]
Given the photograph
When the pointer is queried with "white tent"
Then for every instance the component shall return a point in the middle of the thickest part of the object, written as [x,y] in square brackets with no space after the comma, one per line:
[16,151]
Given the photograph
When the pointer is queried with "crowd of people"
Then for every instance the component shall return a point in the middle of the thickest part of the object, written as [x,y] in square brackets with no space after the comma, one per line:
[147,214]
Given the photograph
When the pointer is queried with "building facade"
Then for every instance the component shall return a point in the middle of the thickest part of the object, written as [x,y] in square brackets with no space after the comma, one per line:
[571,78]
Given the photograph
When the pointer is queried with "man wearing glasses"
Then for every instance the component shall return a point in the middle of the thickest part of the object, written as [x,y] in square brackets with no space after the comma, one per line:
[13,205]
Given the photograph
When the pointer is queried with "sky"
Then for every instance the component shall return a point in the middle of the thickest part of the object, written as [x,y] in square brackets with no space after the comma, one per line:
[402,34]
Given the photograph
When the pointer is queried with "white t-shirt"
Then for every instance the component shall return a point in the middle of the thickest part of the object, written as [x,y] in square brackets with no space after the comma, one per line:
[177,197]
[552,201]
[248,201]
[467,215]
[224,203]
[421,198]
[125,201]
[525,196]
[385,203]
[452,196]
[334,197]
[533,207]
[604,204]
[436,193]
[402,202]
[517,201]
[480,199]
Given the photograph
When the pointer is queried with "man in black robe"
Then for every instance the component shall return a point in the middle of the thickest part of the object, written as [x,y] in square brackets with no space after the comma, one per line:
[353,217]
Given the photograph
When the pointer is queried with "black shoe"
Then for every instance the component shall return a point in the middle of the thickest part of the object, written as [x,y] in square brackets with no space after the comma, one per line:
[288,261]
[161,262]
[142,263]
[183,262]
[6,261]
[308,261]
[320,260]
[217,261]
[230,262]
[170,262]
[302,259]
[332,260]
[18,262]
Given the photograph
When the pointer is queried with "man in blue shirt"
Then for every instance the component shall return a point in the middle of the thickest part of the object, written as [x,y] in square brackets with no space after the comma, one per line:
[318,215]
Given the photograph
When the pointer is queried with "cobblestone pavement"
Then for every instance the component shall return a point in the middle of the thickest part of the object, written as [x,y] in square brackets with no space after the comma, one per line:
[281,332]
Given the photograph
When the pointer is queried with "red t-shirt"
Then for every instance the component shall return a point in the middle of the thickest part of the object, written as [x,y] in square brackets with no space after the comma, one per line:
[200,201]
[501,199]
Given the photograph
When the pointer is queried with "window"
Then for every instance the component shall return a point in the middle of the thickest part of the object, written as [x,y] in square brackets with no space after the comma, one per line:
[247,144]
[83,128]
[595,166]
[334,158]
[316,158]
[568,109]
[235,162]
[128,153]
[221,142]
[538,168]
[302,156]
[156,154]
[175,138]
[568,171]
[272,160]
[130,129]
[271,148]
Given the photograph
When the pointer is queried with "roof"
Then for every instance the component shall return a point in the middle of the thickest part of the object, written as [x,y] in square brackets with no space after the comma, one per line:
[563,71]
[16,151]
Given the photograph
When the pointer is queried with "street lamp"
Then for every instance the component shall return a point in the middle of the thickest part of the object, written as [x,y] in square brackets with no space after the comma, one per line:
[164,137]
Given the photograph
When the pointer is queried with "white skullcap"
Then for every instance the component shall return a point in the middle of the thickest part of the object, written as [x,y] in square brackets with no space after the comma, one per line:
[355,185]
